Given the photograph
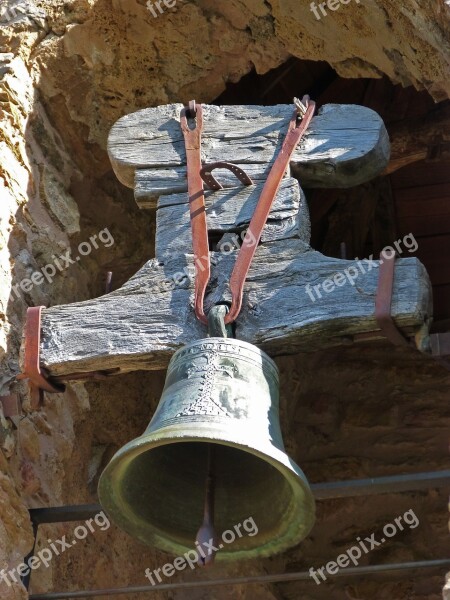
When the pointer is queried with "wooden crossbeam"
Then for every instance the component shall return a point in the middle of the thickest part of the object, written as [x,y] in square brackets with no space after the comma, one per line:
[345,145]
[140,325]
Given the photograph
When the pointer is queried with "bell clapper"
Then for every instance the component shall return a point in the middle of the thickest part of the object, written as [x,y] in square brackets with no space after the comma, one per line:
[206,535]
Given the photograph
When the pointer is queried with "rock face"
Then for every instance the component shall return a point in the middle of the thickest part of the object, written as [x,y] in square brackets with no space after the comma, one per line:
[68,71]
[101,60]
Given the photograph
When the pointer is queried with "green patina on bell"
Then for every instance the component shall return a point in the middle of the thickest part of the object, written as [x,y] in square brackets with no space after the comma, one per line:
[220,393]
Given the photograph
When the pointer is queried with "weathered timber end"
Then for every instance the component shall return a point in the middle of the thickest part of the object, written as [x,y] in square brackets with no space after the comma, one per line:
[344,146]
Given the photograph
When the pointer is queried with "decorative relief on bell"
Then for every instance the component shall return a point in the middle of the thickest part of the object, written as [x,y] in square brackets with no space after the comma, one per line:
[214,397]
[215,378]
[205,403]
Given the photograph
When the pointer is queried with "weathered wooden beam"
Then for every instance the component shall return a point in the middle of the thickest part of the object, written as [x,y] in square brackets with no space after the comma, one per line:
[345,145]
[230,211]
[140,325]
[419,138]
[295,299]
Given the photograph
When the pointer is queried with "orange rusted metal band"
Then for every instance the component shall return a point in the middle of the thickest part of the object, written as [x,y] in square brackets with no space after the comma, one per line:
[439,342]
[32,369]
[211,181]
[268,194]
[195,171]
[192,138]
[383,302]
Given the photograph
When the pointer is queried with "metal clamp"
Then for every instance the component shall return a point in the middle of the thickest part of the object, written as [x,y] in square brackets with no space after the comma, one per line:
[39,381]
[301,105]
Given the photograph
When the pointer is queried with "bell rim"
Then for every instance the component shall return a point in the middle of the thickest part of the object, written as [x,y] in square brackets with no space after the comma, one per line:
[298,482]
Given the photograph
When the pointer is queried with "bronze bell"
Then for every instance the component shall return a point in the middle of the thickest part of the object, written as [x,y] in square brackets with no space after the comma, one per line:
[220,394]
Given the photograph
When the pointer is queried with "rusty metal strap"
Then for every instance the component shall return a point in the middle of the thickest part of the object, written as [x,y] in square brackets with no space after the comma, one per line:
[192,138]
[439,342]
[383,302]
[38,377]
[32,371]
[211,181]
[10,405]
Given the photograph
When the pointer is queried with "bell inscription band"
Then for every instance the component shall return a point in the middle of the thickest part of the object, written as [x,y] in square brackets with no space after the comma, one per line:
[220,394]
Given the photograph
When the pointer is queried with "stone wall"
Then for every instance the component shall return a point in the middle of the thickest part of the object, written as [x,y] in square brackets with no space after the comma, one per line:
[67,72]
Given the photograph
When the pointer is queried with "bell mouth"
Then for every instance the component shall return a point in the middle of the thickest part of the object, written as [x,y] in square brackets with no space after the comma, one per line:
[154,489]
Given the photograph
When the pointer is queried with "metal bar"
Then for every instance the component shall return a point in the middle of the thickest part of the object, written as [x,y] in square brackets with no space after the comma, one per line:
[275,578]
[26,578]
[63,514]
[322,491]
[380,485]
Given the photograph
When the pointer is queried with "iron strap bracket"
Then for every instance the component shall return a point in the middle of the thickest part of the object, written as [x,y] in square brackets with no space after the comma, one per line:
[10,405]
[439,342]
[38,378]
[383,302]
